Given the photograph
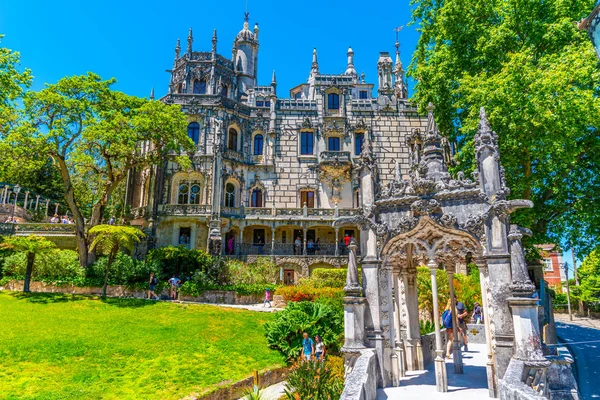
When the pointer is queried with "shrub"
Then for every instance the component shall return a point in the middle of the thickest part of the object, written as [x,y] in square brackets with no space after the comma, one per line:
[56,265]
[261,271]
[169,261]
[327,277]
[313,380]
[125,270]
[285,332]
[426,327]
[308,293]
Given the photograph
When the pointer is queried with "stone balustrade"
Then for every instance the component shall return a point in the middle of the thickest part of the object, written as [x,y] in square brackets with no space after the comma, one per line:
[335,156]
[186,209]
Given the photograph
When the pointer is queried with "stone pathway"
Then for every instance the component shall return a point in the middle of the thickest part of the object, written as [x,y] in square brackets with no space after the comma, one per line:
[472,385]
[581,321]
[252,307]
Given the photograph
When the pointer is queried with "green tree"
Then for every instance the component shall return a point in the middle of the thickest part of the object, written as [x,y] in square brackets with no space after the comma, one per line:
[32,246]
[538,77]
[109,239]
[589,279]
[95,136]
[12,83]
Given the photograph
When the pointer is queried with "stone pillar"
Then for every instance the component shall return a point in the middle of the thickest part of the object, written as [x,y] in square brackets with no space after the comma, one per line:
[456,352]
[5,194]
[47,205]
[272,240]
[441,377]
[56,208]
[375,339]
[37,201]
[414,351]
[305,231]
[25,202]
[337,241]
[397,325]
[490,366]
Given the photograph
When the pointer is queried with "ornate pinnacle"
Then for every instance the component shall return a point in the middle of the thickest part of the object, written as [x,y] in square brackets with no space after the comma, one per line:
[178,49]
[190,40]
[152,94]
[315,63]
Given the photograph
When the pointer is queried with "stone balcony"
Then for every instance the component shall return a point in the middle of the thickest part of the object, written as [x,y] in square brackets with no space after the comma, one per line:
[334,157]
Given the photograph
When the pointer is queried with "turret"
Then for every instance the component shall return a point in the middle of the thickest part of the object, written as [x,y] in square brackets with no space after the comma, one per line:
[315,64]
[152,94]
[177,50]
[350,69]
[384,73]
[190,40]
[245,53]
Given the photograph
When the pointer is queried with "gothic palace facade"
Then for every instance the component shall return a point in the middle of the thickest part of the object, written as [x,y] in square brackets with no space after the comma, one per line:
[270,173]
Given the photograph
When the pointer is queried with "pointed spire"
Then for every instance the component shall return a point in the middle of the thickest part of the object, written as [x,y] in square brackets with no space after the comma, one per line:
[315,63]
[485,137]
[190,40]
[362,77]
[256,30]
[178,49]
[152,93]
[214,42]
[274,79]
[246,19]
[433,155]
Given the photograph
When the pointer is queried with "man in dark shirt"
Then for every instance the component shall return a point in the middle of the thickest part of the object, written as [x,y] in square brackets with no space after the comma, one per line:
[461,314]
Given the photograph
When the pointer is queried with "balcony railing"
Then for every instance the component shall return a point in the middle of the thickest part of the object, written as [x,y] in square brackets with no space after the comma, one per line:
[252,212]
[335,156]
[285,249]
[187,209]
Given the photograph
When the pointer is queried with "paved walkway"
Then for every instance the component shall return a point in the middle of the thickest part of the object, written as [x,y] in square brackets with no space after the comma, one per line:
[472,385]
[581,321]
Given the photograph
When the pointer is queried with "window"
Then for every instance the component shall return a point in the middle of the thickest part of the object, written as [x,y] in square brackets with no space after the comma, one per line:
[306,143]
[359,140]
[283,237]
[194,132]
[256,200]
[224,91]
[307,197]
[258,145]
[230,195]
[182,197]
[232,140]
[180,88]
[333,144]
[199,87]
[333,101]
[260,103]
[362,95]
[548,264]
[195,193]
[298,96]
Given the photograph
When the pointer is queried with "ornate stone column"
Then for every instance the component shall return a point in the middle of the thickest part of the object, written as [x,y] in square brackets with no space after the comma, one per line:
[441,376]
[47,205]
[56,208]
[398,327]
[37,201]
[456,352]
[490,365]
[25,202]
[272,240]
[414,351]
[5,194]
[304,231]
[337,241]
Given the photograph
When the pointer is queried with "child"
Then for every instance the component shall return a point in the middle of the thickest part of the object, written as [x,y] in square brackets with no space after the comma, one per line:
[267,298]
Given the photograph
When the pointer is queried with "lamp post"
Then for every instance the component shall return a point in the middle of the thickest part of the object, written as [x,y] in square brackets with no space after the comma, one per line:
[16,189]
[566,266]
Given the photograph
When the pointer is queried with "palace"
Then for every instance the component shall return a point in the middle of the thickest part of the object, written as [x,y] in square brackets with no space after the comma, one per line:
[271,174]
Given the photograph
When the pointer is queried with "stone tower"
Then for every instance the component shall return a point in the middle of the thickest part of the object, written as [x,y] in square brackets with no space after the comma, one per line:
[245,57]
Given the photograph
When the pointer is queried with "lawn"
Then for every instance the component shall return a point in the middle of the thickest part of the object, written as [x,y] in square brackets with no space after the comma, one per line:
[55,346]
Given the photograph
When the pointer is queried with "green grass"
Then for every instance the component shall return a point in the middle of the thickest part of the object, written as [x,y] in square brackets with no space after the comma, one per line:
[55,346]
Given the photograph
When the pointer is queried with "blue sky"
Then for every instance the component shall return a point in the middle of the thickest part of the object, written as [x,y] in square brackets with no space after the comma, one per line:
[134,41]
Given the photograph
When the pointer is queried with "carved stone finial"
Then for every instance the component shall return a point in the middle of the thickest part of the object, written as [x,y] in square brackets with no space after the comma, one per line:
[190,40]
[177,49]
[352,287]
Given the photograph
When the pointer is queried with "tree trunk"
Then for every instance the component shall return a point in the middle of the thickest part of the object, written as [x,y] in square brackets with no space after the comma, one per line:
[28,271]
[82,246]
[111,257]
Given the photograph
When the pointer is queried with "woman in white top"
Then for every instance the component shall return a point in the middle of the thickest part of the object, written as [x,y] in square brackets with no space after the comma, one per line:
[319,348]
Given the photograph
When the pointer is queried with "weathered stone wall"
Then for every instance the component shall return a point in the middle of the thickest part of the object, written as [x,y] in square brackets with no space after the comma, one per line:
[428,344]
[235,390]
[476,333]
[361,382]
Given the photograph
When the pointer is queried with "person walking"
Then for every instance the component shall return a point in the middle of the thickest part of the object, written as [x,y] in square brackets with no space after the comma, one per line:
[461,314]
[152,285]
[230,244]
[174,283]
[298,246]
[447,323]
[308,347]
[477,314]
[267,298]
[319,348]
[310,247]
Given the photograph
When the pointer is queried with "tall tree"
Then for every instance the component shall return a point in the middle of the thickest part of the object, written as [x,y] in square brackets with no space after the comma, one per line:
[94,136]
[538,77]
[32,246]
[109,239]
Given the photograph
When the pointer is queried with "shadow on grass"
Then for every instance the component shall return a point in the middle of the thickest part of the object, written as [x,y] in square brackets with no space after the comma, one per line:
[46,298]
[127,302]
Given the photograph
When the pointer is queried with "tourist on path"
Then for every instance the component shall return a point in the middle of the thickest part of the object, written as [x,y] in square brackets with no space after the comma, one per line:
[319,348]
[477,314]
[447,323]
[461,314]
[267,298]
[152,285]
[174,283]
[308,347]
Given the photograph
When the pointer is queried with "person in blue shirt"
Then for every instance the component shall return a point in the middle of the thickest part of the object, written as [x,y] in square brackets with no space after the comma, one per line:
[308,347]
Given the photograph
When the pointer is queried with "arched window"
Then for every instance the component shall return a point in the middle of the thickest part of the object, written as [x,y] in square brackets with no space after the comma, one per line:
[224,91]
[195,193]
[199,87]
[256,199]
[229,195]
[182,197]
[194,131]
[232,140]
[258,145]
[333,101]
[359,139]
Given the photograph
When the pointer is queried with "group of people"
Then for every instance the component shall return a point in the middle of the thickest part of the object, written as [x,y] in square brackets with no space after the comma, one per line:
[65,219]
[174,284]
[461,315]
[312,348]
[10,220]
